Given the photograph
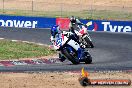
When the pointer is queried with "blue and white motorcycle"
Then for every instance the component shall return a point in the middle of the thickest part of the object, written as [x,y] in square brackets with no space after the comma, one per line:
[70,49]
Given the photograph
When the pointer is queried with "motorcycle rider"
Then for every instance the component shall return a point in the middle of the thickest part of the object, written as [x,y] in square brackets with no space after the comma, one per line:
[74,22]
[56,32]
[73,25]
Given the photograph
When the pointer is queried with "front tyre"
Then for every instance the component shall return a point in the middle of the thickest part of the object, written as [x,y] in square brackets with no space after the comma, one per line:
[89,43]
[72,57]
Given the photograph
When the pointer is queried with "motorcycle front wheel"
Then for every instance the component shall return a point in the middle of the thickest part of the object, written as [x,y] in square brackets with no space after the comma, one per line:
[70,56]
[89,43]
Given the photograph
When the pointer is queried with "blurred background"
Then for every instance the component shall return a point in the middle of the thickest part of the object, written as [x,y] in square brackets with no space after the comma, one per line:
[86,9]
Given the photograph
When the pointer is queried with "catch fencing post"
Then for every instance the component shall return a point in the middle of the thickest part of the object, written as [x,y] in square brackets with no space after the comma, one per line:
[61,8]
[91,7]
[32,4]
[3,6]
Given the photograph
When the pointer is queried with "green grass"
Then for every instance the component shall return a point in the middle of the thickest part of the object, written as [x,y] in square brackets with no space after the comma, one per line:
[16,50]
[102,14]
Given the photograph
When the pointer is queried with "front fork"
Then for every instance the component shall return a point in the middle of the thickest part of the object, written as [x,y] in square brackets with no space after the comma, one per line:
[87,35]
[80,52]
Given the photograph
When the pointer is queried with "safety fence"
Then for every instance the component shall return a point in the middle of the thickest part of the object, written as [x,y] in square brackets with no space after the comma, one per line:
[90,9]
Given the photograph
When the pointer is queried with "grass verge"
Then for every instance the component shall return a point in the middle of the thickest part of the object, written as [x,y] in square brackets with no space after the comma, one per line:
[86,14]
[16,50]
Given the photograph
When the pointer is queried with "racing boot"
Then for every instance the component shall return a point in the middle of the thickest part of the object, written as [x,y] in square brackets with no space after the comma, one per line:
[61,58]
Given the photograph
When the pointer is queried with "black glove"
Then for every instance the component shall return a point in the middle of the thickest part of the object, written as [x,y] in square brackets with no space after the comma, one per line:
[85,25]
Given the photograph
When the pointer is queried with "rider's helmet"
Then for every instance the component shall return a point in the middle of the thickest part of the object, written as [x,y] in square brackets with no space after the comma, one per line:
[73,20]
[55,30]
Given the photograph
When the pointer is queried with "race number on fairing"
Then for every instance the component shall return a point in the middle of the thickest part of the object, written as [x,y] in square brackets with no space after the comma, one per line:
[59,41]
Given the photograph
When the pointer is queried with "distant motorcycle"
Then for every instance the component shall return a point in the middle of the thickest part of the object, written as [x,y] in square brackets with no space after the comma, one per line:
[69,49]
[84,36]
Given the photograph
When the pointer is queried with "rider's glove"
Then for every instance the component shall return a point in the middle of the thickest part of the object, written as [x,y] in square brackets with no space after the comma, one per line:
[85,26]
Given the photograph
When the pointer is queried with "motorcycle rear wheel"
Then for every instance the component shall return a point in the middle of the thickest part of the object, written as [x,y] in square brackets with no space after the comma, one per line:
[88,59]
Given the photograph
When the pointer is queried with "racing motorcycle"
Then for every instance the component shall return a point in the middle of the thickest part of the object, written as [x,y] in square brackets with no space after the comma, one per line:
[84,36]
[69,49]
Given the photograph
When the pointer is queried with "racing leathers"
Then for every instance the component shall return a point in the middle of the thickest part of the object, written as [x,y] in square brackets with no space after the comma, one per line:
[73,27]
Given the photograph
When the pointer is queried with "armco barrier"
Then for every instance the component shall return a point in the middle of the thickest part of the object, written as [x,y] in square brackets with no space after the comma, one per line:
[44,22]
[26,22]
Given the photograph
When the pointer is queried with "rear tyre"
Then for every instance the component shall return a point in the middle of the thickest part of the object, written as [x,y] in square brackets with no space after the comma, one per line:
[72,57]
[88,60]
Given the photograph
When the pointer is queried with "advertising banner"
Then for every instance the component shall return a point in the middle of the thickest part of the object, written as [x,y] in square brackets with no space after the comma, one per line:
[99,25]
[63,23]
[26,22]
[112,26]
[45,22]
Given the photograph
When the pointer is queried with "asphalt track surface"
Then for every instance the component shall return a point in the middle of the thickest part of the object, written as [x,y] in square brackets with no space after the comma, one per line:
[113,51]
